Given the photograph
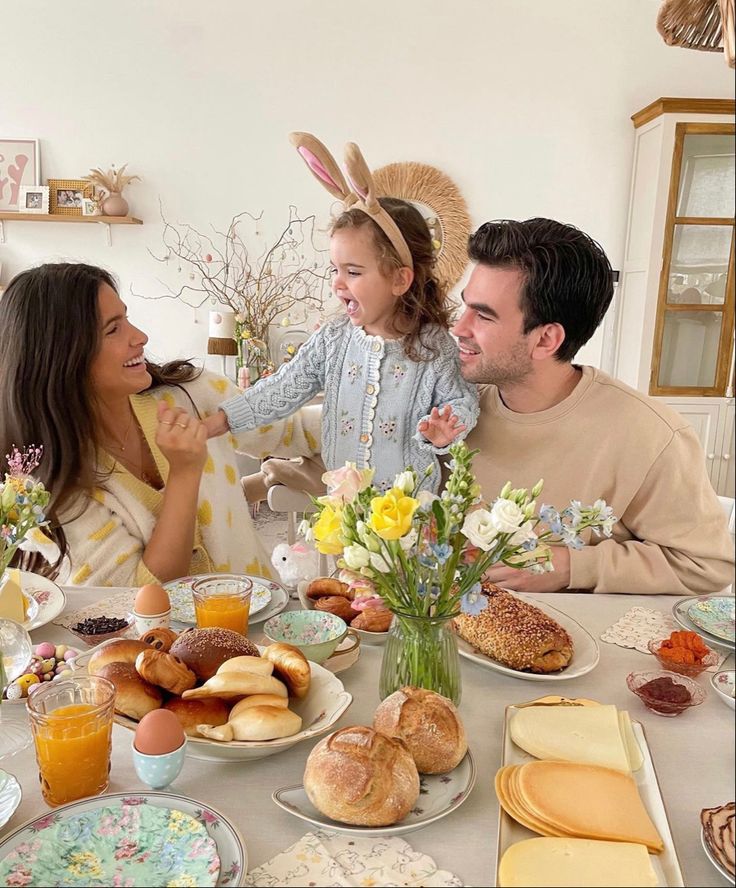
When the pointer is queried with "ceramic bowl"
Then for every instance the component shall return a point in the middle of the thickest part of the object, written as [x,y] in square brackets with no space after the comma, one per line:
[99,637]
[366,636]
[315,633]
[158,771]
[692,670]
[724,684]
[637,683]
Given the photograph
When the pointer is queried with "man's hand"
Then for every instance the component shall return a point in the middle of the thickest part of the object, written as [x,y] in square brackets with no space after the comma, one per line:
[441,428]
[216,424]
[525,581]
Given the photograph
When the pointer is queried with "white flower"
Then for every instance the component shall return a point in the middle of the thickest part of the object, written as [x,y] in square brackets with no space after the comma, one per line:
[305,530]
[407,542]
[426,498]
[525,534]
[507,516]
[479,529]
[405,481]
[379,563]
[367,537]
[356,557]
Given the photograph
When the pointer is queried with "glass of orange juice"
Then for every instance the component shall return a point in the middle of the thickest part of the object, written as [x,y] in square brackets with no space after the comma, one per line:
[222,600]
[71,722]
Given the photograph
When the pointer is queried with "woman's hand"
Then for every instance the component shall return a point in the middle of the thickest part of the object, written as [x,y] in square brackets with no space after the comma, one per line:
[441,428]
[182,438]
[216,424]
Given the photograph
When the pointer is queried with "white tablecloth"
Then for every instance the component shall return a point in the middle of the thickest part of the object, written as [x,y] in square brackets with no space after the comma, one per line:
[693,753]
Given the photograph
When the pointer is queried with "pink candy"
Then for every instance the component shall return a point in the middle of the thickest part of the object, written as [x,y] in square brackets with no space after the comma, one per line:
[360,604]
[45,649]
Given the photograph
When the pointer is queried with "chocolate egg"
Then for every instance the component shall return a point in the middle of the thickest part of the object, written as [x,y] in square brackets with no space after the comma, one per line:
[158,733]
[151,599]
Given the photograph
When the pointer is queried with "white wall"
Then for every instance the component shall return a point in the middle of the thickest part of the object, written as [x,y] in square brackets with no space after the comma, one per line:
[524,103]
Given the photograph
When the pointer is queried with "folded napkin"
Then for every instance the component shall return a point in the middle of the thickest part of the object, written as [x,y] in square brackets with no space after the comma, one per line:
[119,605]
[329,858]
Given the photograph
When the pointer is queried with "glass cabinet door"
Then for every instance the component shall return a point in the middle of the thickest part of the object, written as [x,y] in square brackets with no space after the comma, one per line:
[695,311]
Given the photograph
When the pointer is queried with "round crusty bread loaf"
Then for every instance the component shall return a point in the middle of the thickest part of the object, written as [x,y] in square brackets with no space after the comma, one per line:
[359,776]
[205,650]
[210,711]
[120,650]
[134,696]
[429,725]
[291,666]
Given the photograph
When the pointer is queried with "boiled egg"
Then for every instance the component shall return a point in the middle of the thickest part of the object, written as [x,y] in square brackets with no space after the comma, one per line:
[151,599]
[158,733]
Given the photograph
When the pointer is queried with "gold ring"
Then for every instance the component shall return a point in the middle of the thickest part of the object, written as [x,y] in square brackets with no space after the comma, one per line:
[166,422]
[182,425]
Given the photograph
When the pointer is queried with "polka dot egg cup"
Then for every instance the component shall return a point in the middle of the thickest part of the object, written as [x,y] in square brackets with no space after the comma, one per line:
[158,771]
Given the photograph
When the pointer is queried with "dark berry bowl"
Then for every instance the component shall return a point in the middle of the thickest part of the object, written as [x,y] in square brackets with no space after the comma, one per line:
[665,693]
[94,630]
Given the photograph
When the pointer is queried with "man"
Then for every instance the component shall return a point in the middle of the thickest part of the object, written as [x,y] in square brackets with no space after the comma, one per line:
[537,294]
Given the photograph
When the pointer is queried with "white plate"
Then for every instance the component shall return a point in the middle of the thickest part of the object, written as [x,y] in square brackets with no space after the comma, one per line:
[585,653]
[49,597]
[10,796]
[441,794]
[182,604]
[326,701]
[724,872]
[230,845]
[366,637]
[279,600]
[680,613]
[723,684]
[666,865]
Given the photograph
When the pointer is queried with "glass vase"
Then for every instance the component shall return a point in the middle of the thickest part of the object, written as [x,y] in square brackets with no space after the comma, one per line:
[422,652]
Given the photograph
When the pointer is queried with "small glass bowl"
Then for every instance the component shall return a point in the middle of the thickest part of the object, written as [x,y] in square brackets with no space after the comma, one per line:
[636,682]
[99,637]
[692,670]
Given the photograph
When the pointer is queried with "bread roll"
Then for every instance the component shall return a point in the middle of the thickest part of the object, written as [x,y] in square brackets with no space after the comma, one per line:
[516,634]
[210,711]
[324,586]
[429,725]
[134,697]
[205,650]
[258,700]
[246,664]
[160,638]
[335,604]
[258,723]
[291,666]
[121,650]
[231,685]
[359,776]
[165,670]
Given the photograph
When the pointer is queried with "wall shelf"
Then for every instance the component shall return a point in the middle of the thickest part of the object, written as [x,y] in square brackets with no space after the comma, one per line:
[107,221]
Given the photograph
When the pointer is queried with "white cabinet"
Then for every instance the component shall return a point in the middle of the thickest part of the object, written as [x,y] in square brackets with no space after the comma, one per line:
[713,421]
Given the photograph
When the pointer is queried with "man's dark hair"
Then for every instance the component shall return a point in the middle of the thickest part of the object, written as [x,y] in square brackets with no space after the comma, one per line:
[568,279]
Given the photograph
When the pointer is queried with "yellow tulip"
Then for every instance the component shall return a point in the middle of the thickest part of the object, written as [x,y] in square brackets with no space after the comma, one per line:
[391,514]
[328,531]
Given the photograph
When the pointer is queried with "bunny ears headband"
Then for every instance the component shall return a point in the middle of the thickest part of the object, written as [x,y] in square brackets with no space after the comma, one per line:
[362,194]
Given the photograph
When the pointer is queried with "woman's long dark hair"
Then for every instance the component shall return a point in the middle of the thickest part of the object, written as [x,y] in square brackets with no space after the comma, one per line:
[49,336]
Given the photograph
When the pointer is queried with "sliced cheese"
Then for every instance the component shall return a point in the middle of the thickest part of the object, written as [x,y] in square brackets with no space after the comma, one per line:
[585,734]
[568,862]
[633,750]
[12,602]
[587,801]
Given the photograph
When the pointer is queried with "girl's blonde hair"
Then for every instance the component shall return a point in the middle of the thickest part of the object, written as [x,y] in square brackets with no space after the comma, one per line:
[425,302]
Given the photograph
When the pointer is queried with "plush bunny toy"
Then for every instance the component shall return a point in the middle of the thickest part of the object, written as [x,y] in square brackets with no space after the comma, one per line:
[294,563]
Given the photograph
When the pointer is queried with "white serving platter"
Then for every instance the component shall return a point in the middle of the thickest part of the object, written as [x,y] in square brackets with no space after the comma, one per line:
[666,865]
[585,654]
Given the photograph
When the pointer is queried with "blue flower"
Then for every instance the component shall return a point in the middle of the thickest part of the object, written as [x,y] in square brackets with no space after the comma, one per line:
[441,551]
[473,602]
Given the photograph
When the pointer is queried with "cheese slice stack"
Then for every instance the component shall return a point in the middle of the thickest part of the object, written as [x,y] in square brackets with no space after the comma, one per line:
[568,863]
[566,799]
[12,602]
[595,735]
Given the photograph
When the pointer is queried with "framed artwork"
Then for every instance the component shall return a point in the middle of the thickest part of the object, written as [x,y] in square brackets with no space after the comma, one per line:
[20,164]
[91,206]
[66,196]
[33,199]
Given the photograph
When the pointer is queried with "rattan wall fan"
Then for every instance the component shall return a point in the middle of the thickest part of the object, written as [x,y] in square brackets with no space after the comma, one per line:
[707,25]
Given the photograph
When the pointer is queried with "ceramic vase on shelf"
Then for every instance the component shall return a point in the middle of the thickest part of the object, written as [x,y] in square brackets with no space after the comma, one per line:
[115,205]
[422,652]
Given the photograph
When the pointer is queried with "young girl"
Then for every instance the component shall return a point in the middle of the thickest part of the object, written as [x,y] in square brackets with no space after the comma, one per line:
[388,367]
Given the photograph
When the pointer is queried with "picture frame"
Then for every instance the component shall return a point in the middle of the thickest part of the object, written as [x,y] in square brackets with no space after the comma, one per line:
[33,199]
[20,164]
[91,206]
[66,196]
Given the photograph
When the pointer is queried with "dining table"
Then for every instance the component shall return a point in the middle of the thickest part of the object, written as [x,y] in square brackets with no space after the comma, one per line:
[693,754]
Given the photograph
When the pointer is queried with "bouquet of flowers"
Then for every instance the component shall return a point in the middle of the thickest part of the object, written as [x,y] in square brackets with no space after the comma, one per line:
[23,501]
[424,555]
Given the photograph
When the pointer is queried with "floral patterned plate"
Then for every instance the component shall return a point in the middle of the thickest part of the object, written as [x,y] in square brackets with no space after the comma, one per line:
[680,613]
[125,838]
[724,684]
[48,596]
[10,796]
[439,795]
[715,614]
[182,605]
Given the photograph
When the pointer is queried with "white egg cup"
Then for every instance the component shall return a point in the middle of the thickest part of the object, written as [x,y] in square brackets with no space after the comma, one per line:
[146,622]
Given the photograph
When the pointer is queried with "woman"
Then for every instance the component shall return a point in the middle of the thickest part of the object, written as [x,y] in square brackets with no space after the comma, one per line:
[138,494]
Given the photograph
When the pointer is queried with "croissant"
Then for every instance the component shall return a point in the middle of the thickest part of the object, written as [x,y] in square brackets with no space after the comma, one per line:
[516,634]
[256,723]
[229,685]
[255,665]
